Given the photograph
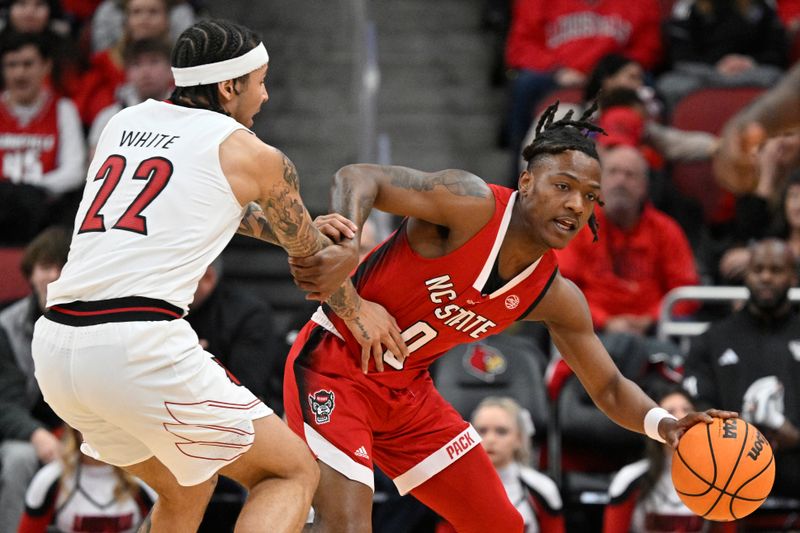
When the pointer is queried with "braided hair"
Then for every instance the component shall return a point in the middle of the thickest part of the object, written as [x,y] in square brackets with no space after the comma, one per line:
[557,136]
[209,41]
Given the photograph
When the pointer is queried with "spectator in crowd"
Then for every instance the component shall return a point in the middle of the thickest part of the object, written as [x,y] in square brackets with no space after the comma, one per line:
[722,43]
[237,329]
[618,81]
[44,18]
[558,43]
[749,361]
[42,152]
[148,75]
[78,493]
[642,253]
[27,424]
[642,496]
[506,431]
[772,209]
[144,19]
[108,21]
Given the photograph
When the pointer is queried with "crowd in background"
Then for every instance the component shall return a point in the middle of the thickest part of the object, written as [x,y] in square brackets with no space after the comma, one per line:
[67,66]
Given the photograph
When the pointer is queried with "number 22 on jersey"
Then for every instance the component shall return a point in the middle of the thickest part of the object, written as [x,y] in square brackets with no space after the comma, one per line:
[156,171]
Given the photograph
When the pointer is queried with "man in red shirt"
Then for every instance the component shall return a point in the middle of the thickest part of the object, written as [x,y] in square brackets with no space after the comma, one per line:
[558,43]
[642,252]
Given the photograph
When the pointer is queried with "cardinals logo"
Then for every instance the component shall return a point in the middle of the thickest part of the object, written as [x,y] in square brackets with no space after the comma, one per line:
[322,405]
[484,362]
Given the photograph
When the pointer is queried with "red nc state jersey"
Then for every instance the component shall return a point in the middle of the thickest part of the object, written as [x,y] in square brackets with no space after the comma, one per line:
[28,151]
[438,303]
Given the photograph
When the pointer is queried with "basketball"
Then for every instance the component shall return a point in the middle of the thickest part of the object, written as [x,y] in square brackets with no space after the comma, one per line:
[724,470]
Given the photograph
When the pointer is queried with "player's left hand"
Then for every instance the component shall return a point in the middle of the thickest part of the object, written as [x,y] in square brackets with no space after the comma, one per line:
[672,430]
[336,227]
[324,272]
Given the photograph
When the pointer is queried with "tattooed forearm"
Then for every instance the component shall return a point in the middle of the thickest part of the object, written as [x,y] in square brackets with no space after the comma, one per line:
[457,182]
[254,223]
[285,217]
[346,302]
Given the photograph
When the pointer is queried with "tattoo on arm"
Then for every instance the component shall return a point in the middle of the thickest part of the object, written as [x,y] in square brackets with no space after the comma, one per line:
[282,218]
[347,303]
[287,217]
[455,181]
[255,224]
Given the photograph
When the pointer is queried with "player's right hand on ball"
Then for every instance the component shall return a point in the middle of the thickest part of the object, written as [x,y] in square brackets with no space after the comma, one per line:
[373,327]
[672,430]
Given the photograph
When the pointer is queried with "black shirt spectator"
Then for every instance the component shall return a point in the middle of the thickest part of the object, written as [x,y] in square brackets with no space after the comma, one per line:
[238,330]
[760,341]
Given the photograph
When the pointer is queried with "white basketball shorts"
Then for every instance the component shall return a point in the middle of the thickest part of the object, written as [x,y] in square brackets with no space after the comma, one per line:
[145,388]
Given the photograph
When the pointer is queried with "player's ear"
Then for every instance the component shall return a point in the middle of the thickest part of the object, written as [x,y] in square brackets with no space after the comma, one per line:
[226,90]
[525,181]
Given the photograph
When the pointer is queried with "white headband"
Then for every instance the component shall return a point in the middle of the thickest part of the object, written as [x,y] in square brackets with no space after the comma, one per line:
[221,70]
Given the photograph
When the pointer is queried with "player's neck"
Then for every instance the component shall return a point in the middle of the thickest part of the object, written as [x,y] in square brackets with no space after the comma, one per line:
[519,250]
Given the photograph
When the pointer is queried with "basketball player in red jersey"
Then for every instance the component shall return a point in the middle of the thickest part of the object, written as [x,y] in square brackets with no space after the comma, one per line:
[468,261]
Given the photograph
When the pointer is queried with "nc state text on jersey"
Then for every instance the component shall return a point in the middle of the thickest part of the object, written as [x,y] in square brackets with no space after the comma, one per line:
[147,139]
[440,289]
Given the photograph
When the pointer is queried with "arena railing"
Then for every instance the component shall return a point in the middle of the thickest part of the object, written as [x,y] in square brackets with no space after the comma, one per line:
[670,326]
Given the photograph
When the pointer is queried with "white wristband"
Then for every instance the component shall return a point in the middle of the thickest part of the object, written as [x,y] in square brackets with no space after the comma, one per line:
[651,420]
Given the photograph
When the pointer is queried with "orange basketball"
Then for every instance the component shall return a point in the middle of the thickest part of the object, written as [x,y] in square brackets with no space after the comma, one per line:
[724,470]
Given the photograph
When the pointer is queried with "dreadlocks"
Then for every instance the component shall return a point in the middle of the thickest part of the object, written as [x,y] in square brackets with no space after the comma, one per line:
[557,136]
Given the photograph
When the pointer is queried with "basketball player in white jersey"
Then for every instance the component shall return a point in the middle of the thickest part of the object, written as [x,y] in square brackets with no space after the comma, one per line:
[169,185]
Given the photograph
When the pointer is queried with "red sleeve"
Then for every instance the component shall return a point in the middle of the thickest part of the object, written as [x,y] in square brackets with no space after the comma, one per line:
[525,47]
[617,515]
[645,43]
[549,521]
[36,524]
[677,265]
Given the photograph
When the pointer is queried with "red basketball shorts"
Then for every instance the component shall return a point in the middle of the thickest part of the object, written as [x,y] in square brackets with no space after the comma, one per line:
[350,421]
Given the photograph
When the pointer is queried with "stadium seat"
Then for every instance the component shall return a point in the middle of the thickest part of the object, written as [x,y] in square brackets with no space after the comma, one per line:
[13,284]
[501,365]
[708,110]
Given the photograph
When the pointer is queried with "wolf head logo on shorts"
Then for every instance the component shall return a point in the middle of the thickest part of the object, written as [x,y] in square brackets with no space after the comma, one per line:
[322,405]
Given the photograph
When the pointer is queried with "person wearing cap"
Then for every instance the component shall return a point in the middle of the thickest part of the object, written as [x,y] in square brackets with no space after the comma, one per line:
[641,252]
[169,185]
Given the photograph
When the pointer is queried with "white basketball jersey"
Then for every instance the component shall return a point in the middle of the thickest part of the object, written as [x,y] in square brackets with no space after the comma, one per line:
[156,209]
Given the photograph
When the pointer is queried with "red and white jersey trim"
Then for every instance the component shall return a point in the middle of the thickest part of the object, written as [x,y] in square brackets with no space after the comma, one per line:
[322,319]
[438,461]
[337,459]
[498,242]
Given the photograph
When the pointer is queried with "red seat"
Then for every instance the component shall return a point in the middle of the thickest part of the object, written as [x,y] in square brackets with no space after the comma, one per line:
[13,284]
[708,110]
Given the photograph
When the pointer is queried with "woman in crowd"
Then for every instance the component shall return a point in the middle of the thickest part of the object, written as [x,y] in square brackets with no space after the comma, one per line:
[79,493]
